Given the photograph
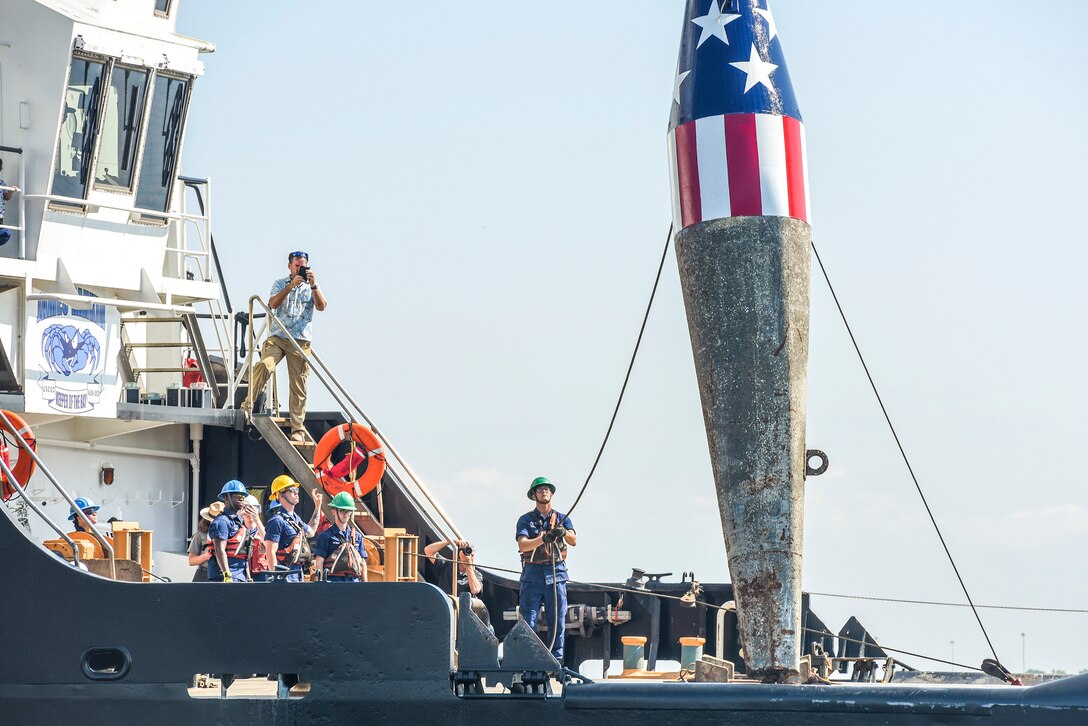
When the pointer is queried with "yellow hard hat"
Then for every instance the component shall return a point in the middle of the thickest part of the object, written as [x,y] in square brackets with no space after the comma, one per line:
[280,483]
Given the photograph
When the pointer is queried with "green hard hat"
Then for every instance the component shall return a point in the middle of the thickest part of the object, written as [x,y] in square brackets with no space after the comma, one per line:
[343,500]
[540,481]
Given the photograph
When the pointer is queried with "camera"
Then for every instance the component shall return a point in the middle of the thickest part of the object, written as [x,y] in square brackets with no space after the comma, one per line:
[303,271]
[467,551]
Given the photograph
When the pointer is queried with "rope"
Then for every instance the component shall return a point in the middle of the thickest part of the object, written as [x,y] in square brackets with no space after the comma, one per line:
[630,367]
[903,453]
[825,633]
[1022,608]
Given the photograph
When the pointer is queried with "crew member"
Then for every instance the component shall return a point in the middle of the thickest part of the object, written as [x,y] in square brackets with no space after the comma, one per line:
[251,518]
[339,553]
[543,535]
[285,536]
[200,547]
[469,578]
[228,536]
[89,508]
[293,301]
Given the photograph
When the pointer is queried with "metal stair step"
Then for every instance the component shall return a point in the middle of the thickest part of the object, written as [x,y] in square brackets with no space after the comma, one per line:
[158,345]
[164,370]
[152,320]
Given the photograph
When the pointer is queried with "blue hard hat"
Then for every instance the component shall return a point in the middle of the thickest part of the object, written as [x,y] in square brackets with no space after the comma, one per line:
[84,504]
[233,487]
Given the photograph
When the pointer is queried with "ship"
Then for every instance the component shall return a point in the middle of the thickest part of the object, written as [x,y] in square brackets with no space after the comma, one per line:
[125,369]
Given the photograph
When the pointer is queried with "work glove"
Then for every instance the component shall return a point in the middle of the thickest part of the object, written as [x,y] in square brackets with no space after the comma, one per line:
[559,531]
[549,536]
[227,577]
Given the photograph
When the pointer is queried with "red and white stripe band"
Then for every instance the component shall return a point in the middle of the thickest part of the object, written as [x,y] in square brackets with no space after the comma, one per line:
[738,165]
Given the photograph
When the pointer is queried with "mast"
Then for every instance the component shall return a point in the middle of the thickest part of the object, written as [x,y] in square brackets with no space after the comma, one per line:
[741,208]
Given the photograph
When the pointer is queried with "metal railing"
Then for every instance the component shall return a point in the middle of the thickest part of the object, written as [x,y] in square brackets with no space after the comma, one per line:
[348,406]
[27,450]
[21,227]
[222,320]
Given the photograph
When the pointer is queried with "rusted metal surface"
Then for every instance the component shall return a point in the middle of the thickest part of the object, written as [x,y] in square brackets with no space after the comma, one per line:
[746,292]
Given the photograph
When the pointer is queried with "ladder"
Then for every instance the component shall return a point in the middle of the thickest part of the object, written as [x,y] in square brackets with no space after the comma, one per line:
[188,337]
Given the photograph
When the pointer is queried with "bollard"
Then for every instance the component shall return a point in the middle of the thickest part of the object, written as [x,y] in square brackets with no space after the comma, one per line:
[633,659]
[691,650]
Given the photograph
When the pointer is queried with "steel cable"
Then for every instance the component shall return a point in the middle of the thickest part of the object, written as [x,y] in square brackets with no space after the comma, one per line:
[630,367]
[903,452]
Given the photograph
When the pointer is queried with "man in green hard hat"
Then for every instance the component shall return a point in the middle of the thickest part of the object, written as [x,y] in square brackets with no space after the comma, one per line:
[543,536]
[339,553]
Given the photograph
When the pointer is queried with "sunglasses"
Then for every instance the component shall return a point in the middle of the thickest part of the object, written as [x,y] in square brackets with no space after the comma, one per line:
[299,253]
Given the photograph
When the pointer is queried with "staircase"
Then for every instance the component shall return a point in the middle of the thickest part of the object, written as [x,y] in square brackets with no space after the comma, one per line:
[192,341]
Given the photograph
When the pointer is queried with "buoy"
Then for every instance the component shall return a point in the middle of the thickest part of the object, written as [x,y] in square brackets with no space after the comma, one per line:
[365,450]
[24,462]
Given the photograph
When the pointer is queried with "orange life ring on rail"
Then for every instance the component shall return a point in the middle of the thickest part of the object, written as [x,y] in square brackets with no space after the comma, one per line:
[24,462]
[365,448]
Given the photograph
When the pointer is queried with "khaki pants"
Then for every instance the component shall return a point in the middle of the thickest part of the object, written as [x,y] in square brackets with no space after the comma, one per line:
[274,350]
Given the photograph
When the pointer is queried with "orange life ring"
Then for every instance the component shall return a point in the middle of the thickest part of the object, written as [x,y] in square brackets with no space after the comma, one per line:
[24,462]
[340,476]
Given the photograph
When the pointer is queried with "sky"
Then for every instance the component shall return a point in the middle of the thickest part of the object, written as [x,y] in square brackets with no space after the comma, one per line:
[483,189]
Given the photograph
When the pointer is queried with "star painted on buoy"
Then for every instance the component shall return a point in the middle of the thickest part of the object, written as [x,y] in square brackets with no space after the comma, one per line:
[676,83]
[767,16]
[757,69]
[713,24]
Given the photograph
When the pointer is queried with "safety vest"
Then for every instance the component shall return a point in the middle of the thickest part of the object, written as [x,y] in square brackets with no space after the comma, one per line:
[545,554]
[236,545]
[346,560]
[298,548]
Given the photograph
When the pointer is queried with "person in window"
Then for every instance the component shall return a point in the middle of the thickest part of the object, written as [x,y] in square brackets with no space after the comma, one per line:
[5,197]
[293,301]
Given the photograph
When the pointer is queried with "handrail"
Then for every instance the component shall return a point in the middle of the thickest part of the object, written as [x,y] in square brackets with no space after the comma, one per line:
[396,454]
[37,510]
[21,228]
[321,370]
[106,546]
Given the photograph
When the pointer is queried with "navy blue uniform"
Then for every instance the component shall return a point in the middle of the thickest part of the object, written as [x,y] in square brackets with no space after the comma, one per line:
[329,541]
[542,580]
[285,529]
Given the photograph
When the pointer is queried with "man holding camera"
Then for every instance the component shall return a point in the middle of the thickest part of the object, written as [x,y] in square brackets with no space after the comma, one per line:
[468,577]
[293,301]
[543,535]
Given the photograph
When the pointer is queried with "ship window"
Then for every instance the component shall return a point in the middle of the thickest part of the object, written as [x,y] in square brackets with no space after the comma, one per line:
[121,122]
[162,8]
[162,141]
[78,128]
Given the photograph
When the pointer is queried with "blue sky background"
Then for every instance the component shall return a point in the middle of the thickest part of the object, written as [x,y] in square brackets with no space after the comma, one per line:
[483,188]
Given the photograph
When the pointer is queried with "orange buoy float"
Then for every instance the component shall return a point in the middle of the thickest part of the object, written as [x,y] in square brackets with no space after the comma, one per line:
[24,462]
[365,449]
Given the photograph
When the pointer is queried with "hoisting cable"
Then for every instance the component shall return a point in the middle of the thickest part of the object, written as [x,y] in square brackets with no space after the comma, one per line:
[630,367]
[903,452]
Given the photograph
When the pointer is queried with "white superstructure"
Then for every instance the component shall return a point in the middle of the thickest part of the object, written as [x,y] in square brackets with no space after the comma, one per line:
[105,235]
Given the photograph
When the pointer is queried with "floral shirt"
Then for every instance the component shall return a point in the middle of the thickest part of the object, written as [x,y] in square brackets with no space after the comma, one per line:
[296,312]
